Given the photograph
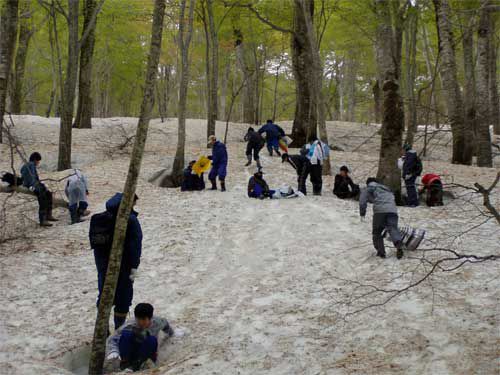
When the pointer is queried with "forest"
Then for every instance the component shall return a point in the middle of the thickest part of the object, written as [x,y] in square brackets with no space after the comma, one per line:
[139,96]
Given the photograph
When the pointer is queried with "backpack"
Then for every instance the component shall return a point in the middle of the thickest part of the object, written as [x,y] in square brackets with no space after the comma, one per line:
[102,228]
[418,168]
[11,179]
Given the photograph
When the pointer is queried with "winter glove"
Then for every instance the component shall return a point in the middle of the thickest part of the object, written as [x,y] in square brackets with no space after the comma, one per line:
[133,274]
[32,188]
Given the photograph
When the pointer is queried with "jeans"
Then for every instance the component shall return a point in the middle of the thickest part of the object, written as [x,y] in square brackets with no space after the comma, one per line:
[388,221]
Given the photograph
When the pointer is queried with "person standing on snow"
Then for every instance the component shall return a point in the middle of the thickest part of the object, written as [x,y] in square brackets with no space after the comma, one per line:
[101,233]
[385,216]
[219,163]
[411,170]
[255,142]
[302,166]
[273,134]
[77,190]
[316,151]
[31,181]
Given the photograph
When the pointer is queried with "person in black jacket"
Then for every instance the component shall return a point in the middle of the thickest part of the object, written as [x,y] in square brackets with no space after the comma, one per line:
[410,175]
[191,181]
[254,145]
[344,188]
[302,166]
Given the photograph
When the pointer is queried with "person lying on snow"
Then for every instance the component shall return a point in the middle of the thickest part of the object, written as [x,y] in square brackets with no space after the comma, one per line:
[385,216]
[344,188]
[31,181]
[77,190]
[433,187]
[135,343]
[255,142]
[258,187]
[219,163]
[101,233]
[191,181]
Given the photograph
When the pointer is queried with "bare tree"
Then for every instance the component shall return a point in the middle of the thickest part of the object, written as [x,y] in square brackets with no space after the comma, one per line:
[8,33]
[484,157]
[212,45]
[25,33]
[462,134]
[392,106]
[410,34]
[469,77]
[85,104]
[185,35]
[108,293]
[494,98]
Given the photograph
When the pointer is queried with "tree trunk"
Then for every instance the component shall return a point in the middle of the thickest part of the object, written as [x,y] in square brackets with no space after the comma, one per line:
[25,33]
[411,72]
[377,100]
[248,68]
[68,94]
[176,177]
[8,32]
[392,106]
[469,86]
[494,99]
[484,157]
[350,91]
[434,74]
[223,89]
[462,135]
[84,111]
[108,293]
[214,70]
[305,120]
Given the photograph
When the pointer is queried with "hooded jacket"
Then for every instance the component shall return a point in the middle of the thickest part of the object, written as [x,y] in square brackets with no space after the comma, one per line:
[131,257]
[410,161]
[381,197]
[219,154]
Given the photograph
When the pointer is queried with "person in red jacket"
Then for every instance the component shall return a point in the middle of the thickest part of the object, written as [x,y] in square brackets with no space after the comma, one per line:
[432,185]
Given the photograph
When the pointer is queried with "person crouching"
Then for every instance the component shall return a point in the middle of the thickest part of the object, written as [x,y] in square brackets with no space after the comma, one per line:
[77,190]
[258,187]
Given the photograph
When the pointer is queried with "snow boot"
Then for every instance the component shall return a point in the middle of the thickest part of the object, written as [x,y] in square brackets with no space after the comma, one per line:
[259,166]
[222,185]
[214,184]
[400,251]
[74,213]
[249,157]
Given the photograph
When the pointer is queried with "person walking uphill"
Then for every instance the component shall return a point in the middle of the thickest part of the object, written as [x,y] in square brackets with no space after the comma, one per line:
[412,168]
[31,181]
[385,215]
[101,232]
[255,142]
[77,190]
[273,134]
[219,163]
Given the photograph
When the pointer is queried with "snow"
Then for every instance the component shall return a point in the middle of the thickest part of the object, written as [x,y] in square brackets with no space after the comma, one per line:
[256,284]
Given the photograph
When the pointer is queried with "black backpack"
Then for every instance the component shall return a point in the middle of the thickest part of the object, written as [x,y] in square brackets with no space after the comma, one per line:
[418,168]
[11,179]
[102,229]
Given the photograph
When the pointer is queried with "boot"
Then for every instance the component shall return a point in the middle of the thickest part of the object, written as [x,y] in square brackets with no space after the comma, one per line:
[249,157]
[214,184]
[74,214]
[381,254]
[50,217]
[45,223]
[222,185]
[259,166]
[400,251]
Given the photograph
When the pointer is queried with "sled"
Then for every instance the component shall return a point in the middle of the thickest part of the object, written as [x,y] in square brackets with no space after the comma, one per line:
[283,145]
[202,165]
[412,238]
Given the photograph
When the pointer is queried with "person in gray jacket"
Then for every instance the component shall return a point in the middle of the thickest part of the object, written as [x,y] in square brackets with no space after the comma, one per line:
[385,215]
[77,190]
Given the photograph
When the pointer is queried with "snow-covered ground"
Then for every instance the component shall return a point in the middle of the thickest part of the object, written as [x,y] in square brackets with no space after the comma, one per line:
[257,284]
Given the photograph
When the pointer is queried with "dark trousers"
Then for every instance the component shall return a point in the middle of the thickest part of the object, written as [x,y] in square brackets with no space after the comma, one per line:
[385,221]
[253,149]
[411,190]
[348,194]
[44,197]
[316,171]
[435,194]
[135,349]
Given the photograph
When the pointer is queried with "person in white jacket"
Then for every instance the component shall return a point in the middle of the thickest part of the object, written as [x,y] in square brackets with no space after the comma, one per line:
[317,152]
[77,190]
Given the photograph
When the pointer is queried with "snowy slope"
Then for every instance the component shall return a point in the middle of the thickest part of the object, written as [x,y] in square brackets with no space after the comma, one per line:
[256,283]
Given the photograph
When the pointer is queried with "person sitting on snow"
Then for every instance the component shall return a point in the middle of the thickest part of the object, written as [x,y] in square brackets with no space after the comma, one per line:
[191,181]
[344,188]
[77,190]
[258,187]
[31,181]
[434,187]
[385,215]
[135,344]
[219,163]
